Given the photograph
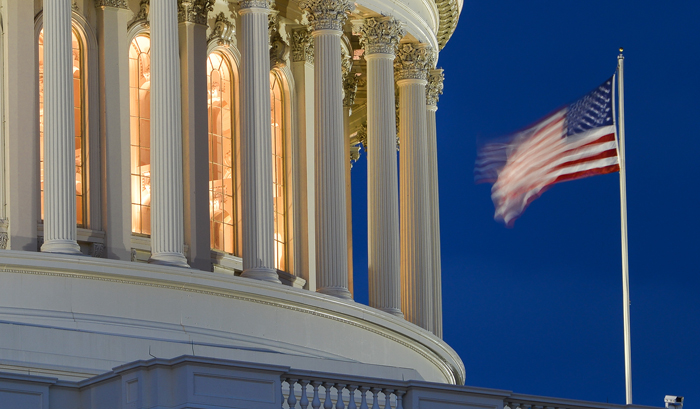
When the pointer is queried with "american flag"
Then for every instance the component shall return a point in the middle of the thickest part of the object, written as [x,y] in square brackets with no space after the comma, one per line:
[572,143]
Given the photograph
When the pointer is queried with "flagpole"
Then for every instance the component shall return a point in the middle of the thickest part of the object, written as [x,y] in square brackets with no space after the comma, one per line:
[623,220]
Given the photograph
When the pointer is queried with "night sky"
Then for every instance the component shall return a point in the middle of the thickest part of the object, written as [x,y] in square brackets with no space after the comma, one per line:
[537,309]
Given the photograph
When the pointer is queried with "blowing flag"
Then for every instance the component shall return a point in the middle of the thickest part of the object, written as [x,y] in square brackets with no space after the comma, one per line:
[574,142]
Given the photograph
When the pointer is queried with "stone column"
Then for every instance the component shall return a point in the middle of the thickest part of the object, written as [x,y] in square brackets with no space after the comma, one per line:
[60,232]
[433,91]
[349,92]
[326,18]
[256,144]
[192,18]
[412,64]
[379,37]
[302,57]
[21,124]
[167,236]
[112,20]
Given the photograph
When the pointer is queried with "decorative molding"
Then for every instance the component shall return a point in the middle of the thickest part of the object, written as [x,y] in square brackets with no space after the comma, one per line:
[4,237]
[254,4]
[381,35]
[326,14]
[434,88]
[349,89]
[74,6]
[279,49]
[413,60]
[142,16]
[119,4]
[448,11]
[302,46]
[224,30]
[97,250]
[194,11]
[362,135]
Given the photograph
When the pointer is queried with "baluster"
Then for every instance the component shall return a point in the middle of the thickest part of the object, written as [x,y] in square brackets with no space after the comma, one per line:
[304,402]
[292,400]
[507,405]
[316,402]
[339,404]
[399,399]
[363,392]
[387,398]
[329,403]
[351,404]
[281,394]
[375,398]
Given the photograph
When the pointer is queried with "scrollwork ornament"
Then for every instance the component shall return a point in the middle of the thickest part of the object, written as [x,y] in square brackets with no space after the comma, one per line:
[118,4]
[349,89]
[142,16]
[4,237]
[381,35]
[302,46]
[194,11]
[434,88]
[413,60]
[223,31]
[362,135]
[326,14]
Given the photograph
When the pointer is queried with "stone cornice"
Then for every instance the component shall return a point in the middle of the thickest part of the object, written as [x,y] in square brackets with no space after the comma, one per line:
[433,89]
[119,4]
[223,31]
[449,16]
[413,60]
[194,11]
[381,35]
[302,46]
[326,14]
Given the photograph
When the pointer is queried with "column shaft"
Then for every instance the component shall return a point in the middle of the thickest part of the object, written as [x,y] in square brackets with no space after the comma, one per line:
[256,145]
[436,261]
[382,187]
[416,271]
[167,236]
[331,228]
[60,230]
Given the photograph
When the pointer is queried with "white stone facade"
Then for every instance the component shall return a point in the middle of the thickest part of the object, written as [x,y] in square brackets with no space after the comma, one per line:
[209,143]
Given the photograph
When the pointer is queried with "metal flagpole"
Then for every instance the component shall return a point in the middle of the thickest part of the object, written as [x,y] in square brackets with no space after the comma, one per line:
[623,220]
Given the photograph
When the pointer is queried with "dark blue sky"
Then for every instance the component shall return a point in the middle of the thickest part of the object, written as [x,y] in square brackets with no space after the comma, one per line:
[537,309]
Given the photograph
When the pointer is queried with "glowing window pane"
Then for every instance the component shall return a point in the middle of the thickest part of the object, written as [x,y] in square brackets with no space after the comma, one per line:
[223,207]
[140,112]
[79,117]
[279,198]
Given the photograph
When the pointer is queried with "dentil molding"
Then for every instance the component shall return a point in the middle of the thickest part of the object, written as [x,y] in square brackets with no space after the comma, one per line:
[413,60]
[194,11]
[433,89]
[326,14]
[381,35]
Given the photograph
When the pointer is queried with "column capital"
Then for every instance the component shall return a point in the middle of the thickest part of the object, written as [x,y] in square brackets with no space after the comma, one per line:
[413,60]
[302,46]
[194,11]
[253,4]
[119,4]
[433,89]
[326,14]
[381,35]
[350,89]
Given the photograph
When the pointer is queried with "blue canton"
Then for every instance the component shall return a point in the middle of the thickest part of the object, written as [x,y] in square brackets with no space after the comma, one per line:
[592,111]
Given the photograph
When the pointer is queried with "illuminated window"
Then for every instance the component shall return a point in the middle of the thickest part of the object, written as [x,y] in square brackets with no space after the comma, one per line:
[279,196]
[140,114]
[223,180]
[78,98]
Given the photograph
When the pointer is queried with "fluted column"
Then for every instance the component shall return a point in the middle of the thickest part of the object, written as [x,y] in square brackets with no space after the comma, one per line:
[412,64]
[60,231]
[379,37]
[256,145]
[326,18]
[167,227]
[349,93]
[433,91]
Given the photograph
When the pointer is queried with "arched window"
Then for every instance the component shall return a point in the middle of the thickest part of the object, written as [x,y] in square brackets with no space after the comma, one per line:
[223,178]
[140,114]
[80,129]
[279,195]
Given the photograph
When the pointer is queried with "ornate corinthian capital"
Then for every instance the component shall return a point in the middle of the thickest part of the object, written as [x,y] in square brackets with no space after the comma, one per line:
[381,35]
[302,46]
[254,4]
[326,14]
[194,11]
[413,60]
[433,89]
[119,4]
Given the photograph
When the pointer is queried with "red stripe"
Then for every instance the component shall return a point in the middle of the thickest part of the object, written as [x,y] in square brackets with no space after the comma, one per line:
[587,173]
[611,153]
